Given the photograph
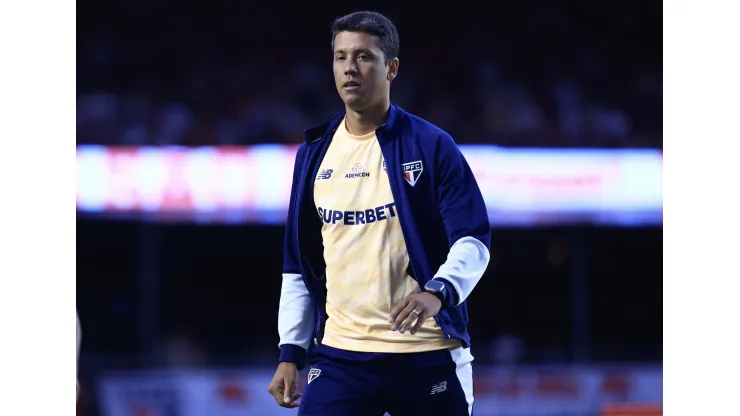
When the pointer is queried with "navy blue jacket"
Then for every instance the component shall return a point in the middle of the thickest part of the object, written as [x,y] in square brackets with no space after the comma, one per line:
[444,205]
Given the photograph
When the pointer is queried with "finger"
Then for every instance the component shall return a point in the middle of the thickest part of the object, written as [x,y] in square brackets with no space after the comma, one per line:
[289,391]
[403,315]
[419,322]
[412,318]
[397,309]
[276,390]
[292,403]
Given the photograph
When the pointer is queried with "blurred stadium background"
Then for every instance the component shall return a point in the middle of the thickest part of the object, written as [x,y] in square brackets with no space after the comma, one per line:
[188,114]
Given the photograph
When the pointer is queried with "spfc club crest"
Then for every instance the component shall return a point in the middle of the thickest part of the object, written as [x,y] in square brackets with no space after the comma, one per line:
[412,171]
[313,374]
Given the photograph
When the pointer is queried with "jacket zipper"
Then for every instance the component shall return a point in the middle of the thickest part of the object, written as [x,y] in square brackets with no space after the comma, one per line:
[317,326]
[297,215]
[296,211]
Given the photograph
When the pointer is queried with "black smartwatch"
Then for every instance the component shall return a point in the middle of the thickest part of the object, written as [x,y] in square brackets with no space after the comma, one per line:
[438,289]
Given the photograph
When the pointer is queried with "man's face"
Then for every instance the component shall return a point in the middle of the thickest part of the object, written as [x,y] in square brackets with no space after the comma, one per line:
[361,74]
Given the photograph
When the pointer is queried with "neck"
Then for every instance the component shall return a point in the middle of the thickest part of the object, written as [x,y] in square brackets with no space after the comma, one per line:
[368,120]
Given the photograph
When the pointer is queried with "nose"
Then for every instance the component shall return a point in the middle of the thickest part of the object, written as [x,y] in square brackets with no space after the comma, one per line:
[350,67]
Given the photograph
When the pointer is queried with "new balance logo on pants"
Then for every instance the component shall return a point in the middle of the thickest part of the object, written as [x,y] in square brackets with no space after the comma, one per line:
[439,387]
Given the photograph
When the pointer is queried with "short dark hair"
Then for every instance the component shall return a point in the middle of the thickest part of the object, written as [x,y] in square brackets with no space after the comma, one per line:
[372,23]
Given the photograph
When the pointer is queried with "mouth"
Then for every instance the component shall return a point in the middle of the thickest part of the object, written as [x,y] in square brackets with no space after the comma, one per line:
[351,85]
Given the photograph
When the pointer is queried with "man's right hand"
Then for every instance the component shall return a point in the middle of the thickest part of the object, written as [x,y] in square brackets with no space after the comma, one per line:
[283,385]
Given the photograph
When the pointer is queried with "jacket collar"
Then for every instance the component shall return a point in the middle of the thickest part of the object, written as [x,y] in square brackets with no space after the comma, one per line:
[384,132]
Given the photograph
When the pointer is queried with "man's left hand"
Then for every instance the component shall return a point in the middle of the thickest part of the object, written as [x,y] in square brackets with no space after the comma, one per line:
[414,310]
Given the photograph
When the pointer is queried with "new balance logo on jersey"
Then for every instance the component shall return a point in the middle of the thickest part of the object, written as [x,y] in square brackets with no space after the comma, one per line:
[439,387]
[313,374]
[324,174]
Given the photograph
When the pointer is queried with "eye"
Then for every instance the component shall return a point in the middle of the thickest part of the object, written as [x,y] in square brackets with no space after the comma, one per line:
[363,57]
[339,58]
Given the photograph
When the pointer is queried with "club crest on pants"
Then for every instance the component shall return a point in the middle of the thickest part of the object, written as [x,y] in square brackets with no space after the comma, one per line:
[313,374]
[412,171]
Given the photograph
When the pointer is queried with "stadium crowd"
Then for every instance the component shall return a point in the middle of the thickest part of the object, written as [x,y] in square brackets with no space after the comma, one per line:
[547,75]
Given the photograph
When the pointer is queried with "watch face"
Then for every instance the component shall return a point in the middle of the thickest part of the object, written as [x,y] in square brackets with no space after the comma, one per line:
[435,286]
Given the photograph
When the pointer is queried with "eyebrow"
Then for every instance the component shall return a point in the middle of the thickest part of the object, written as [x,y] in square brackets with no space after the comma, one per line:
[359,50]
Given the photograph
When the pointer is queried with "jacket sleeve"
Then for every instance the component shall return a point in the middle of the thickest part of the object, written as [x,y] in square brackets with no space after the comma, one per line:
[296,311]
[465,218]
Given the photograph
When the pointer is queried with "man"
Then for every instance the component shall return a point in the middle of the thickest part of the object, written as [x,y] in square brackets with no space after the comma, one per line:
[387,234]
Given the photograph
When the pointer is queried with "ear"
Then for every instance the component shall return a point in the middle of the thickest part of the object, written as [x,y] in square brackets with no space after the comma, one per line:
[392,69]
